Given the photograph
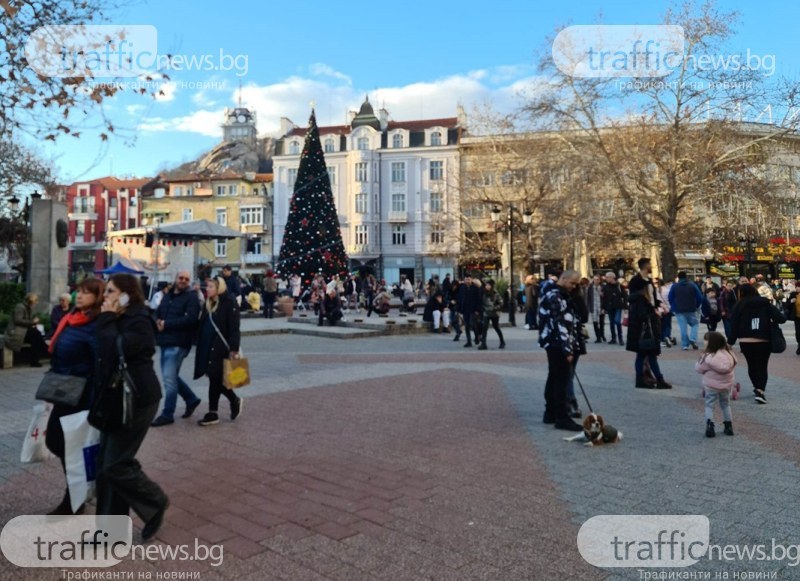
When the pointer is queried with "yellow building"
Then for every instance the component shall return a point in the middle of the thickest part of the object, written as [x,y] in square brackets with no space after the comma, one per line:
[242,202]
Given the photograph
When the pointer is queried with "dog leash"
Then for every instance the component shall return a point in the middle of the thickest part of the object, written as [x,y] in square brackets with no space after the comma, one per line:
[575,375]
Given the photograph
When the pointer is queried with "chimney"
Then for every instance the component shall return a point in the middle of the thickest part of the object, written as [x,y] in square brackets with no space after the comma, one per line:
[383,116]
[462,116]
[286,126]
[350,116]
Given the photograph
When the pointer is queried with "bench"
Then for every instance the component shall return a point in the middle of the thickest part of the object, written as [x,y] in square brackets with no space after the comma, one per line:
[8,355]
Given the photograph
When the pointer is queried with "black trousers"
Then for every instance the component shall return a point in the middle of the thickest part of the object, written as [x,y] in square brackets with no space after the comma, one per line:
[559,372]
[495,322]
[122,486]
[600,327]
[757,357]
[269,304]
[38,347]
[797,331]
[216,388]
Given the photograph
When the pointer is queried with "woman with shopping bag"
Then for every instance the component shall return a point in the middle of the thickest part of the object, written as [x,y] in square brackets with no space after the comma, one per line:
[122,486]
[219,340]
[73,350]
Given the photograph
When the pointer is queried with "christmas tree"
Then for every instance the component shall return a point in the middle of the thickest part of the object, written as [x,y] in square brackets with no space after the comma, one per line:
[312,241]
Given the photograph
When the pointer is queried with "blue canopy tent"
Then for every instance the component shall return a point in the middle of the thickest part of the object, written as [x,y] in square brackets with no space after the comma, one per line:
[122,266]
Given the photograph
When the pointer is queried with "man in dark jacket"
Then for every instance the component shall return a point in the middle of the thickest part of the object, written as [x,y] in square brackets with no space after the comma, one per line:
[685,299]
[558,335]
[233,284]
[176,321]
[471,306]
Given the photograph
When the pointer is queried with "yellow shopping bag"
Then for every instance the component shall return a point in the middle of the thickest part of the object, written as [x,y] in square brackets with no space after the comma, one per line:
[235,373]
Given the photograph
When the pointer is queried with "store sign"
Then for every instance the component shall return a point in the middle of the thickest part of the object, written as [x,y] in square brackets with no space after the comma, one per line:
[724,270]
[786,271]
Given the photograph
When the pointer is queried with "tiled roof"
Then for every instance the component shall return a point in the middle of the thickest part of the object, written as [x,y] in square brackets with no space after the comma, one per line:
[423,124]
[333,129]
[113,183]
[264,177]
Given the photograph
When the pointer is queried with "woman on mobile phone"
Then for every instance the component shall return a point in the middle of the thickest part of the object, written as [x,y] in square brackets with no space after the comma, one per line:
[121,483]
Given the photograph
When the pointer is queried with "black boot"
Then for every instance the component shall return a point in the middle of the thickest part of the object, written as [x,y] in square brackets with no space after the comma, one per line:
[482,347]
[575,411]
[662,384]
[728,431]
[640,382]
[710,429]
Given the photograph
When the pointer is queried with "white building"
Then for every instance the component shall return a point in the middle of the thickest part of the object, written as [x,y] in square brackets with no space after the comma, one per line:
[395,186]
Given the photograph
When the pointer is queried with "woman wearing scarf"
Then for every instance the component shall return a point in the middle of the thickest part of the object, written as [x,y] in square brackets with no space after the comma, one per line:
[73,350]
[219,340]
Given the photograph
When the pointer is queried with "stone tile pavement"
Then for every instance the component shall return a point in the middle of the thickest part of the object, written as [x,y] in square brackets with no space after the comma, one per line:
[410,457]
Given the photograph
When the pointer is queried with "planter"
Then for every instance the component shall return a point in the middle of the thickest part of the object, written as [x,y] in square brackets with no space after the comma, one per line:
[286,305]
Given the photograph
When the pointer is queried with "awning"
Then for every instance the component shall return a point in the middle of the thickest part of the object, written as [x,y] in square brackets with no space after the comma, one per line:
[193,230]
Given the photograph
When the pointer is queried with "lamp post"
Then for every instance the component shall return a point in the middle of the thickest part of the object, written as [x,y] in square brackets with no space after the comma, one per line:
[526,219]
[14,201]
[747,242]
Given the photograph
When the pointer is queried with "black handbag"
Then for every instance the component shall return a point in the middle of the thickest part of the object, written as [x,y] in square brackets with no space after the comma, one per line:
[61,389]
[776,339]
[647,340]
[114,405]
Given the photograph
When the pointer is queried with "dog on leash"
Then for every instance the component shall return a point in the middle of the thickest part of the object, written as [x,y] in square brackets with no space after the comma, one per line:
[596,432]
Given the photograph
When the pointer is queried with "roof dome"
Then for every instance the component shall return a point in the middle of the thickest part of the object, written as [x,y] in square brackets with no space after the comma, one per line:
[366,116]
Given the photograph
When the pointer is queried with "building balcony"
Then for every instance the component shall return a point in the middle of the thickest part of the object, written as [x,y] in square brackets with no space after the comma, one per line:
[398,216]
[250,258]
[82,215]
[362,250]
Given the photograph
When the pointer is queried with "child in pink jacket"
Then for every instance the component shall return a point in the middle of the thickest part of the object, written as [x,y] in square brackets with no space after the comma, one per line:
[716,366]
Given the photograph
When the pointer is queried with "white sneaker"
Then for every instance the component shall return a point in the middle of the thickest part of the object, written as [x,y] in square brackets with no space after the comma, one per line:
[527,327]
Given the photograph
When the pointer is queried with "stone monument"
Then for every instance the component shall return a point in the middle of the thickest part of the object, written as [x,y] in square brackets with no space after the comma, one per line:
[48,267]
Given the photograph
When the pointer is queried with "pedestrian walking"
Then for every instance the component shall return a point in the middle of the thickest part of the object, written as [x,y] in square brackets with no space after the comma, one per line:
[270,294]
[491,304]
[122,485]
[594,301]
[685,300]
[716,365]
[615,301]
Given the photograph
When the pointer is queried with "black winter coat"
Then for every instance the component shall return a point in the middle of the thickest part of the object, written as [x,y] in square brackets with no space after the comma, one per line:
[640,313]
[139,344]
[753,318]
[211,349]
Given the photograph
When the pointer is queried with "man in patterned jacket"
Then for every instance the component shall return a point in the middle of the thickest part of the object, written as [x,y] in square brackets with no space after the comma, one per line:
[558,328]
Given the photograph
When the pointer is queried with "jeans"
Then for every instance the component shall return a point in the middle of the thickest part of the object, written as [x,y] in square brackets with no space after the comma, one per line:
[727,324]
[689,336]
[171,361]
[666,326]
[615,322]
[530,319]
[712,395]
[652,359]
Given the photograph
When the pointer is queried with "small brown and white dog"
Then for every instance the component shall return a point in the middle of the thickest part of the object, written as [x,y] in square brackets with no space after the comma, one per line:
[596,432]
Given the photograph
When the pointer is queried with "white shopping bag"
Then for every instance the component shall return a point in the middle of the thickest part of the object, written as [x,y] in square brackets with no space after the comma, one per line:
[33,447]
[81,444]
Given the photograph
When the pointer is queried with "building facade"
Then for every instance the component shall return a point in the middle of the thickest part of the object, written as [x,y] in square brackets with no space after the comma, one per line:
[395,186]
[96,208]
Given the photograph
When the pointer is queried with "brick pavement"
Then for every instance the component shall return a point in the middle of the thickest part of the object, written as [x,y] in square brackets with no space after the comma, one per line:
[413,458]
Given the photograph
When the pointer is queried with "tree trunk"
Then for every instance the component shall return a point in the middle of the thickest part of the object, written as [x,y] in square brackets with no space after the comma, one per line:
[669,262]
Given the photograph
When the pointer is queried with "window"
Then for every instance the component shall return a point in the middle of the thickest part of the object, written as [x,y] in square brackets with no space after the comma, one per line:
[476,211]
[187,214]
[329,146]
[361,203]
[83,205]
[221,248]
[399,202]
[437,170]
[231,190]
[294,147]
[252,215]
[222,216]
[254,246]
[189,190]
[292,176]
[398,235]
[80,230]
[220,190]
[362,237]
[178,191]
[132,202]
[332,175]
[361,172]
[436,138]
[437,234]
[436,201]
[398,172]
[397,140]
[131,222]
[362,143]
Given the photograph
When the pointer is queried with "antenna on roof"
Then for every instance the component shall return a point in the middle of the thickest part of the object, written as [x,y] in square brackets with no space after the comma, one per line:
[240,93]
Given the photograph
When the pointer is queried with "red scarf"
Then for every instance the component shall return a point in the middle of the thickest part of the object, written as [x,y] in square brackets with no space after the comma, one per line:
[73,319]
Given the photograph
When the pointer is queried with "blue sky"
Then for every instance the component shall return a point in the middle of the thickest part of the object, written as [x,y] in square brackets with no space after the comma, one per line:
[419,59]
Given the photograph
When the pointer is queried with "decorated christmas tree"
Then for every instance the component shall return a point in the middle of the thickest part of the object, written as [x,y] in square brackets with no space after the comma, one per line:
[312,241]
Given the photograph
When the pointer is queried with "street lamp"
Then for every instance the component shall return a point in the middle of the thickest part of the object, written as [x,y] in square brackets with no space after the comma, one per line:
[14,201]
[748,243]
[527,216]
[36,195]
